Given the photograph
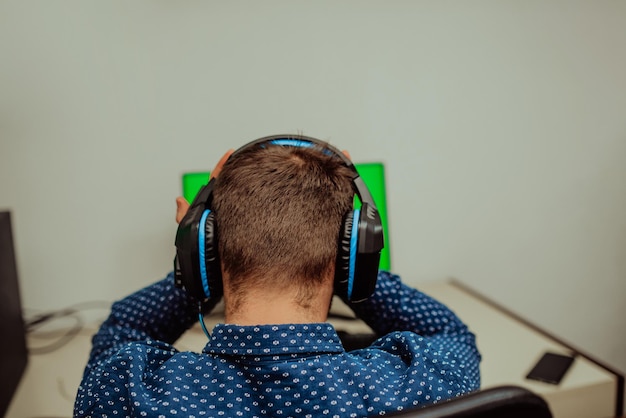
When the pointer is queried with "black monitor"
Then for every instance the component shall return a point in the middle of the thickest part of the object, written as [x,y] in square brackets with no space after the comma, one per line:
[13,352]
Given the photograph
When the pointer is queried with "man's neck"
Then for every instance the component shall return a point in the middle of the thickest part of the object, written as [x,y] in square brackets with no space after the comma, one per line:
[258,307]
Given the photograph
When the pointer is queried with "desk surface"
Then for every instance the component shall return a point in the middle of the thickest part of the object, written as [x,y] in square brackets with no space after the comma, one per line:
[509,349]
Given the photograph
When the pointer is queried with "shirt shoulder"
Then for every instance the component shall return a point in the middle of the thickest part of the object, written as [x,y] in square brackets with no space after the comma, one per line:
[441,366]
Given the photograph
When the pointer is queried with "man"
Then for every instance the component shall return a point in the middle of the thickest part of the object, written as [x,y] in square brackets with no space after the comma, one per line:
[279,211]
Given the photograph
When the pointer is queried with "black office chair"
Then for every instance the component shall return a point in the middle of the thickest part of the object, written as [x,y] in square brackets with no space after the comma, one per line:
[498,402]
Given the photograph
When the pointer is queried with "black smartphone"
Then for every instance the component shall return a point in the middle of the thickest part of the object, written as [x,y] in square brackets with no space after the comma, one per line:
[551,368]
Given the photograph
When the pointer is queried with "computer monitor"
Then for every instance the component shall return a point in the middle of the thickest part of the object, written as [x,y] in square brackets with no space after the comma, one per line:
[373,175]
[13,351]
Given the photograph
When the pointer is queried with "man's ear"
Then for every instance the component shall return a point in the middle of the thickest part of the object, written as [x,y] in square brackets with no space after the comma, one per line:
[347,154]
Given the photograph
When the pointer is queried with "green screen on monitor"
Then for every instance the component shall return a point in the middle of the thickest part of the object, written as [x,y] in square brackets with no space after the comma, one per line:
[373,174]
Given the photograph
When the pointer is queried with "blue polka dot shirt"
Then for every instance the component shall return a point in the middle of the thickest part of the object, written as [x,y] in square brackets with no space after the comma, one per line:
[426,354]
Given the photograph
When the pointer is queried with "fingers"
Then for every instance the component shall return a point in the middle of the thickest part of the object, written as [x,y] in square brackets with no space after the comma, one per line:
[220,163]
[182,206]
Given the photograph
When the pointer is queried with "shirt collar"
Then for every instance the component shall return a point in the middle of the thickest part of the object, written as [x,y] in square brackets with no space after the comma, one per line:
[273,340]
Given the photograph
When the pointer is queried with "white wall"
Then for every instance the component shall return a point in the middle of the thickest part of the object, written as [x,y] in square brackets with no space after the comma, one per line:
[502,124]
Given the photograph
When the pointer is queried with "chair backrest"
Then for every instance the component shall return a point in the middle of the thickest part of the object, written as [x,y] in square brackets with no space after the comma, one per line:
[373,175]
[497,402]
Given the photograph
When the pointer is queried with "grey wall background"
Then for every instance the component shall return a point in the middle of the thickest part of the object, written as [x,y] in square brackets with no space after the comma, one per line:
[502,125]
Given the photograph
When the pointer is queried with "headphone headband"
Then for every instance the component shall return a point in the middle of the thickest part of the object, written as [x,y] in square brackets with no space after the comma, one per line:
[302,141]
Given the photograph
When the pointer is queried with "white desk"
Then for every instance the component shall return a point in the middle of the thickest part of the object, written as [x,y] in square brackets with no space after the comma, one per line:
[509,348]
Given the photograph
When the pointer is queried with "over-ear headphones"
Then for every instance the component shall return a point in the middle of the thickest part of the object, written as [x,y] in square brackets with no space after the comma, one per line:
[197,265]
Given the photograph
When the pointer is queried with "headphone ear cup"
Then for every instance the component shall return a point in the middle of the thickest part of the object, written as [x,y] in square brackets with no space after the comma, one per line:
[358,254]
[367,243]
[210,266]
[344,256]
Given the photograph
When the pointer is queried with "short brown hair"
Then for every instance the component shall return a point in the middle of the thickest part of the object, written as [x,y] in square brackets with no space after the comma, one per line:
[278,212]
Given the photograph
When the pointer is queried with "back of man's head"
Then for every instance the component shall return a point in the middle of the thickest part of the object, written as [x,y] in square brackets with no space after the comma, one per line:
[279,210]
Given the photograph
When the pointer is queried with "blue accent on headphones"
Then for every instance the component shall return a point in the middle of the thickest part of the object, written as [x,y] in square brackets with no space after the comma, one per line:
[202,324]
[298,143]
[289,142]
[201,245]
[353,250]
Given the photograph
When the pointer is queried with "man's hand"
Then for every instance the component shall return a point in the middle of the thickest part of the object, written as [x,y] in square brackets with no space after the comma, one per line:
[182,206]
